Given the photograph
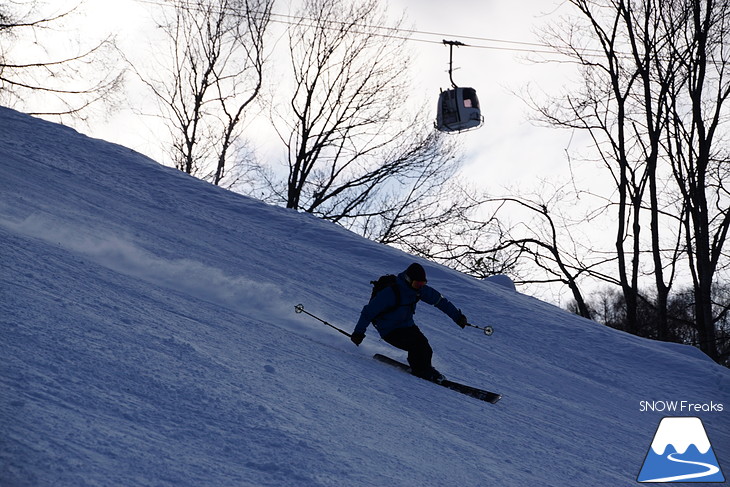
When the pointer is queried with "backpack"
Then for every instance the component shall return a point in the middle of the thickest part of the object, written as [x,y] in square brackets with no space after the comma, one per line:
[383,282]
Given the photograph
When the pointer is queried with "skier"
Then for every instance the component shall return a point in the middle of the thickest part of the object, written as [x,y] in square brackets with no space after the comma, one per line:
[391,312]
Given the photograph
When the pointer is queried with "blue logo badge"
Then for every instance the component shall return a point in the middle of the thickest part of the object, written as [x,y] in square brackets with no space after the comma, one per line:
[680,452]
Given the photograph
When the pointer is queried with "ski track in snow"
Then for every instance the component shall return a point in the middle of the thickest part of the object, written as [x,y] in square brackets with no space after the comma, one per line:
[148,337]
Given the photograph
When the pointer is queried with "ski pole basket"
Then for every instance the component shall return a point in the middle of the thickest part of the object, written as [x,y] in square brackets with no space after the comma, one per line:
[488,330]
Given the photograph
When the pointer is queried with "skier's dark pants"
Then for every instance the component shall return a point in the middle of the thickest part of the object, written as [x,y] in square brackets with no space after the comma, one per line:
[416,344]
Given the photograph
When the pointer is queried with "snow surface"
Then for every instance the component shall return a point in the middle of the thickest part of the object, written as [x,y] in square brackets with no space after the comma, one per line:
[148,338]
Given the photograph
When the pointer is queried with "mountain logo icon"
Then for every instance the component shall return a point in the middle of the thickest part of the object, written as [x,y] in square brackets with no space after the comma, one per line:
[680,452]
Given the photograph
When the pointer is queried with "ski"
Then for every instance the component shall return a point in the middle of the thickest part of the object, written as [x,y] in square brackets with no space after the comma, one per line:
[474,392]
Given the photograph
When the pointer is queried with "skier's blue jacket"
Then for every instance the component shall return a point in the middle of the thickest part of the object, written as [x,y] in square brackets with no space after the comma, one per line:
[387,318]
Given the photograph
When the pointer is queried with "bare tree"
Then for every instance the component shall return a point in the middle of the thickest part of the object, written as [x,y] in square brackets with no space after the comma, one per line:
[546,244]
[431,213]
[611,109]
[697,140]
[215,69]
[653,102]
[42,80]
[358,147]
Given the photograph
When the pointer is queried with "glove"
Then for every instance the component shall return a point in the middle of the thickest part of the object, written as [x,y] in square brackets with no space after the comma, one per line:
[462,320]
[357,338]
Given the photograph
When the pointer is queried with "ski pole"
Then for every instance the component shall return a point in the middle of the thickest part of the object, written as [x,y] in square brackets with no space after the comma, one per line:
[300,309]
[488,330]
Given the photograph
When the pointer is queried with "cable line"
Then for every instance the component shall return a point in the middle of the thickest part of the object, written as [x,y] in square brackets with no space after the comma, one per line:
[398,33]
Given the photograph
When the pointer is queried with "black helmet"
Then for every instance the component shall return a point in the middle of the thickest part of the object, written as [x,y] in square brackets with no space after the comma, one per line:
[415,272]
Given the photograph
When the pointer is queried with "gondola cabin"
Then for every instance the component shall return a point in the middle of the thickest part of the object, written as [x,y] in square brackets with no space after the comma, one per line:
[458,110]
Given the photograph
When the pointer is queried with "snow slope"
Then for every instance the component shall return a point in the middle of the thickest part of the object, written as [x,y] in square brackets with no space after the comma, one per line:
[148,338]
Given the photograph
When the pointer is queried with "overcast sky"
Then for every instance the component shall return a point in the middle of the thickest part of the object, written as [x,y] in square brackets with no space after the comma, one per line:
[508,151]
[507,143]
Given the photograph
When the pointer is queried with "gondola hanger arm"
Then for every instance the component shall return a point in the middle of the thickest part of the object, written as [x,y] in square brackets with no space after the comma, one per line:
[451,45]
